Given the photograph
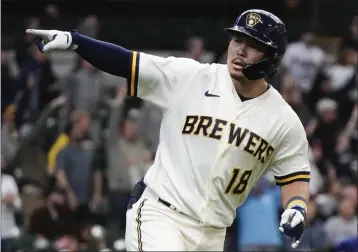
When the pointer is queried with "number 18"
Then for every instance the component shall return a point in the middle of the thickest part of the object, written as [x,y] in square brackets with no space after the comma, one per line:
[238,184]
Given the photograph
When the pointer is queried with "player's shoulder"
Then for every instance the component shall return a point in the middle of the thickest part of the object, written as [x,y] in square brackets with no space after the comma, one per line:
[171,60]
[184,61]
[283,110]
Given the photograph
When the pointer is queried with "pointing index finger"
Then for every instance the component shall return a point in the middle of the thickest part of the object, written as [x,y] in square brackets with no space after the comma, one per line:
[40,33]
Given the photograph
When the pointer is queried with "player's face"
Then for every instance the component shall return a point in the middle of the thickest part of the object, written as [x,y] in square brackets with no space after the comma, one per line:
[243,51]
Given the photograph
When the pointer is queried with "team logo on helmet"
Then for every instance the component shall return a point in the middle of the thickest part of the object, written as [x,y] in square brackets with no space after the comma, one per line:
[252,19]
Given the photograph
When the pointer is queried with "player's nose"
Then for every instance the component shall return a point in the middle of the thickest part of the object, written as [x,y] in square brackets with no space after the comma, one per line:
[241,49]
[241,52]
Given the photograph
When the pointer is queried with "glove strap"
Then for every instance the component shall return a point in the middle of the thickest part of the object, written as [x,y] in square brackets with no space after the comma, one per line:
[298,203]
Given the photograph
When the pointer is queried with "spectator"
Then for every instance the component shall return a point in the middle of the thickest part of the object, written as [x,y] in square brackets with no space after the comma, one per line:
[30,156]
[293,10]
[327,202]
[348,245]
[55,219]
[128,159]
[346,147]
[74,171]
[303,60]
[8,82]
[35,79]
[24,42]
[350,38]
[342,72]
[344,225]
[259,219]
[195,48]
[317,180]
[328,127]
[292,95]
[344,82]
[9,134]
[350,192]
[67,243]
[90,26]
[88,90]
[338,82]
[10,203]
[51,18]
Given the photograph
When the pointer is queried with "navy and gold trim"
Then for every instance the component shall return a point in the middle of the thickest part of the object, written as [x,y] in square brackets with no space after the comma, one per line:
[297,201]
[133,79]
[293,177]
[139,224]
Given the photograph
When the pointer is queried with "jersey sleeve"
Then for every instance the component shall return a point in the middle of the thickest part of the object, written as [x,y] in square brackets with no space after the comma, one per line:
[290,161]
[159,80]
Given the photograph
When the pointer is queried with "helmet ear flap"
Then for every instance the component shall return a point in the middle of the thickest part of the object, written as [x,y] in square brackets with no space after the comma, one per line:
[255,71]
[263,69]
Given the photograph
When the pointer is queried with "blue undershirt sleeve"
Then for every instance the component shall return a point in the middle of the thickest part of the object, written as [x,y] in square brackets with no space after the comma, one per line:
[105,56]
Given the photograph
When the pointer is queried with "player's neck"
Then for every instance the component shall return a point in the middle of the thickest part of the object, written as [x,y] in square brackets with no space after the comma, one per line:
[250,89]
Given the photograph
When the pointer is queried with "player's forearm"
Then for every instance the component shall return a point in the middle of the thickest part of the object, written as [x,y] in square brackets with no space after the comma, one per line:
[105,56]
[296,193]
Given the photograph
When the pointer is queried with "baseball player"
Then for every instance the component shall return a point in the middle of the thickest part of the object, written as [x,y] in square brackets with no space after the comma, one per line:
[223,127]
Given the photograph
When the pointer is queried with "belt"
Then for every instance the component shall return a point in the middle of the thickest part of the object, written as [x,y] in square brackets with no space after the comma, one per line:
[150,194]
[167,204]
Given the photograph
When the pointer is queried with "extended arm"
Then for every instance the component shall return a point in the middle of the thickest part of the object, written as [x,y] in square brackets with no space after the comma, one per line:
[105,56]
[152,78]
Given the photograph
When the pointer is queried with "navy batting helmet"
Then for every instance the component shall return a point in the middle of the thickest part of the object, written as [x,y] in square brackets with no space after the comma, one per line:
[267,29]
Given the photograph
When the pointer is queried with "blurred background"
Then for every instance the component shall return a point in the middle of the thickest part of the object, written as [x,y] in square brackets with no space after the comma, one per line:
[64,121]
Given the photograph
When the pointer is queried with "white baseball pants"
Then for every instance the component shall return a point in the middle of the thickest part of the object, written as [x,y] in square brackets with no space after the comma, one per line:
[152,226]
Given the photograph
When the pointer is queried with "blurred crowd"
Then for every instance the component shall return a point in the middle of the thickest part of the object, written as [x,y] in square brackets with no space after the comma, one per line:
[73,146]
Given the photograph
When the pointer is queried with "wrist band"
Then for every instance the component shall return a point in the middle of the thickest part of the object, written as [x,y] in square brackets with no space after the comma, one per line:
[297,201]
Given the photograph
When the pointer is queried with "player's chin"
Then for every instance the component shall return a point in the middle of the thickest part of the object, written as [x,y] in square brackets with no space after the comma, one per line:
[237,74]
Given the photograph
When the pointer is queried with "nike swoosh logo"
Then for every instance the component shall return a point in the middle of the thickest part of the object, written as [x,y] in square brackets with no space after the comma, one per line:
[210,95]
[68,38]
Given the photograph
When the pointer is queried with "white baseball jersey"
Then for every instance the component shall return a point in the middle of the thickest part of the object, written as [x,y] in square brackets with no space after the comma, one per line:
[214,147]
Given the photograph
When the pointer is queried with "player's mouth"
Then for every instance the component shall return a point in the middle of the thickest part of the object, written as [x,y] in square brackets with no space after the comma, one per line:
[238,64]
